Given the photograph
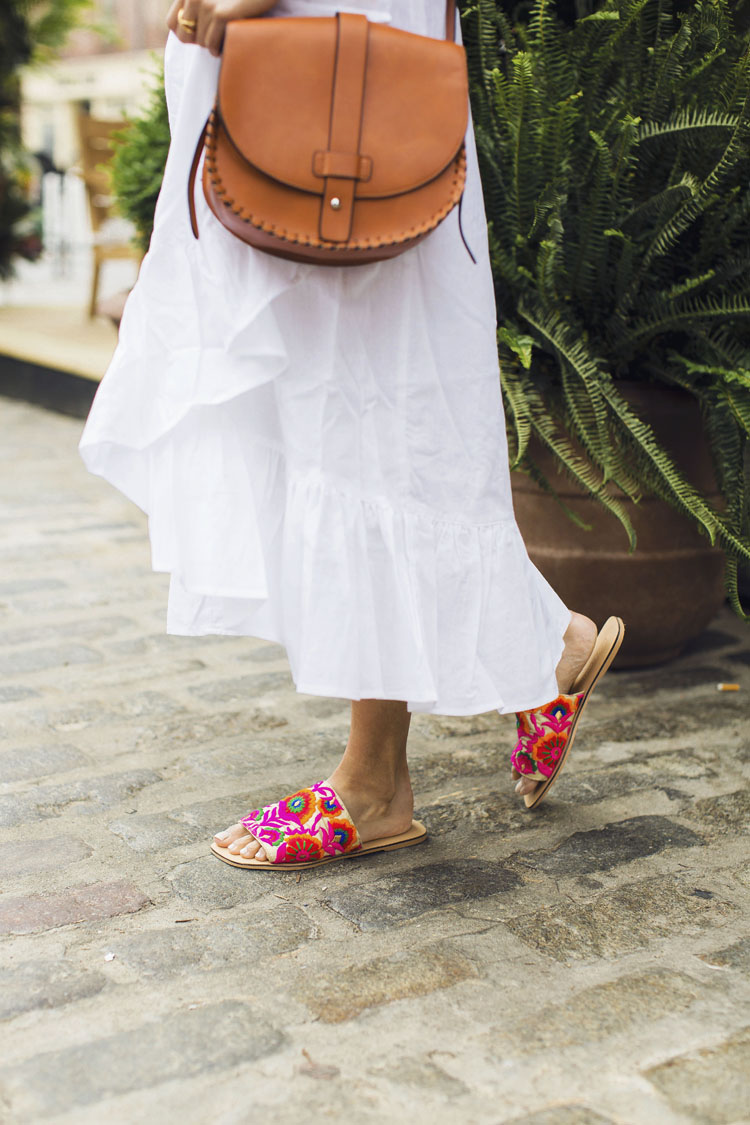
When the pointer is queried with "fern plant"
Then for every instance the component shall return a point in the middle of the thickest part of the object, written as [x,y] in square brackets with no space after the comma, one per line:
[614,145]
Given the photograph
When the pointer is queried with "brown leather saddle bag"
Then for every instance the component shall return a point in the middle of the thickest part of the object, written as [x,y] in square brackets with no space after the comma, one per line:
[334,140]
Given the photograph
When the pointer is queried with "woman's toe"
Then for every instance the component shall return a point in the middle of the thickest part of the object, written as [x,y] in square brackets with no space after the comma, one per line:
[223,839]
[253,850]
[526,785]
[237,845]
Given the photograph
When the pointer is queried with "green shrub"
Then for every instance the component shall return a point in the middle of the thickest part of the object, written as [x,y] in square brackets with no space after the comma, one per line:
[138,167]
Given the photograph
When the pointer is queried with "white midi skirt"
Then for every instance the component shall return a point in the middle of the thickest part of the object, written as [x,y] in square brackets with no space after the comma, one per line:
[321,451]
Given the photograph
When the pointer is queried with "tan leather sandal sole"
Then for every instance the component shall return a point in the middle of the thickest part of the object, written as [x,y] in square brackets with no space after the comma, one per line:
[417,834]
[605,650]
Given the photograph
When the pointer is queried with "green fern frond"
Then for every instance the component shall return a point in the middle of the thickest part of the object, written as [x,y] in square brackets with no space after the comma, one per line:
[688,121]
[682,493]
[562,338]
[692,208]
[690,284]
[517,411]
[692,312]
[739,404]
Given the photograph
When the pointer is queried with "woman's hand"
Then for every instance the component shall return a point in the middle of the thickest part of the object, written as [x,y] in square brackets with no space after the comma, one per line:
[211,18]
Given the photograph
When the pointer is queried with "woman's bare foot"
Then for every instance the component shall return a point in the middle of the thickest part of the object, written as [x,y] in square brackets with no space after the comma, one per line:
[579,638]
[372,778]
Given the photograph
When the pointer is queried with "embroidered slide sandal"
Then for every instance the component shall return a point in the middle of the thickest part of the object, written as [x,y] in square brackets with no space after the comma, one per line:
[308,829]
[545,735]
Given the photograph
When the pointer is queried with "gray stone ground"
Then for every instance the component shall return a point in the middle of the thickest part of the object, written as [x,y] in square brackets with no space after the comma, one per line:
[583,965]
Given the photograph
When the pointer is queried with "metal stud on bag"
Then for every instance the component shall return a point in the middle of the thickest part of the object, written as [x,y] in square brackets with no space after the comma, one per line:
[336,203]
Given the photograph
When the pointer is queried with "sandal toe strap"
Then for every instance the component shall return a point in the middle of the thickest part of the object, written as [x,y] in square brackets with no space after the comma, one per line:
[543,734]
[309,825]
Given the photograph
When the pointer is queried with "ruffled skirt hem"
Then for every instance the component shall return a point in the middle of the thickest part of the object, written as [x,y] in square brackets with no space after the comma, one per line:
[451,617]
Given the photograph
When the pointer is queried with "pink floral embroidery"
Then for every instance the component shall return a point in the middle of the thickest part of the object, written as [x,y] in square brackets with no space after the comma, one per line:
[309,825]
[543,735]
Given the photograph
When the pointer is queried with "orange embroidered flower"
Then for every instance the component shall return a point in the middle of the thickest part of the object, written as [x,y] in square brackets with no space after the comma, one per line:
[301,805]
[547,752]
[338,835]
[328,803]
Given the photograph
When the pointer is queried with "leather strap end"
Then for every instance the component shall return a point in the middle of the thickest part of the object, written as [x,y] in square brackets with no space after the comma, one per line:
[337,210]
[191,179]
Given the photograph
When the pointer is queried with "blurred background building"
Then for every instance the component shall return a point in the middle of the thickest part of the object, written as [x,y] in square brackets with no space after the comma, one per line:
[106,68]
[56,311]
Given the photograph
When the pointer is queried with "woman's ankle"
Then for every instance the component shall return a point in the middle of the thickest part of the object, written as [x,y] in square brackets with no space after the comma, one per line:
[380,787]
[579,638]
[379,806]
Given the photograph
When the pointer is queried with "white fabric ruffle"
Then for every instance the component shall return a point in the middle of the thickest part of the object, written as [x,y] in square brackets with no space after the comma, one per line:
[321,451]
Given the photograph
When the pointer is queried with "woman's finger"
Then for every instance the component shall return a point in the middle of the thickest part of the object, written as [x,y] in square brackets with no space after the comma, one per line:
[188,10]
[206,17]
[172,15]
[215,36]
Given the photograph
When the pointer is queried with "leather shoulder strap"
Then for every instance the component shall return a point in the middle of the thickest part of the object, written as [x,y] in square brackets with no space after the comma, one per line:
[450,20]
[347,99]
[193,173]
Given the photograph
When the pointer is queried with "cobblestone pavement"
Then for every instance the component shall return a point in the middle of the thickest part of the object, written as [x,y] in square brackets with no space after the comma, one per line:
[583,965]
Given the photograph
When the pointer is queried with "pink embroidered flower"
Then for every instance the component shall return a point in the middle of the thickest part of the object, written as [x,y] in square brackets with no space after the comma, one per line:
[523,762]
[272,817]
[264,833]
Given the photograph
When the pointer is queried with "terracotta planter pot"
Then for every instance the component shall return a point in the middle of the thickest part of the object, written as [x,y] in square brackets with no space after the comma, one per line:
[668,591]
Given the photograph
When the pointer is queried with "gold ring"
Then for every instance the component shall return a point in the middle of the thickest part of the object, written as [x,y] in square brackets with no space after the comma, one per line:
[187,25]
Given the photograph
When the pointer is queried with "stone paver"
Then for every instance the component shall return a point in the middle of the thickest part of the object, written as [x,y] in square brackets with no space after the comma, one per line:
[600,941]
[39,761]
[44,801]
[623,920]
[711,1085]
[342,994]
[33,913]
[45,985]
[17,858]
[178,1047]
[600,849]
[381,902]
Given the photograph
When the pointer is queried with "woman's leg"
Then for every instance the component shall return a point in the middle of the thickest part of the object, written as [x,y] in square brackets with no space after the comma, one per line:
[579,641]
[372,778]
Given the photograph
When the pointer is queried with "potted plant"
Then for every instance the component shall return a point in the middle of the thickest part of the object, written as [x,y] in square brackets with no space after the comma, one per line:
[614,145]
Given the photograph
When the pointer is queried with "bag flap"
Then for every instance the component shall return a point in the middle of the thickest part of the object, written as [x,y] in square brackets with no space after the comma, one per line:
[275,90]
